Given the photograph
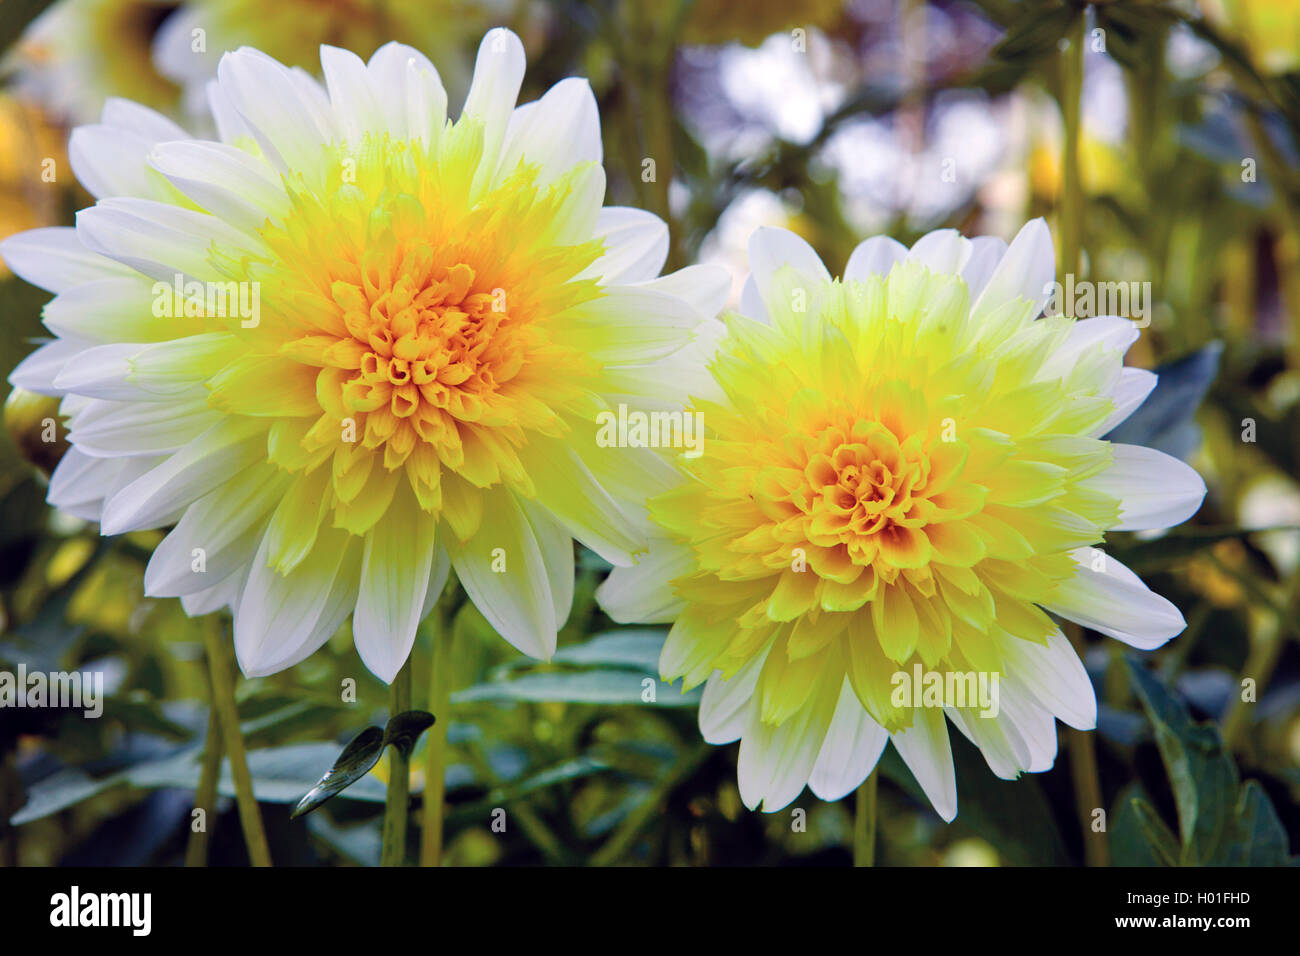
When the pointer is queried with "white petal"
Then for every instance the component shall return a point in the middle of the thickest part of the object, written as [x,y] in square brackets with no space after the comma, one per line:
[1055,677]
[1131,390]
[517,601]
[724,708]
[111,162]
[223,594]
[986,252]
[632,325]
[109,429]
[1155,490]
[79,482]
[216,456]
[706,287]
[227,524]
[556,133]
[40,371]
[141,121]
[414,101]
[277,109]
[926,750]
[636,246]
[776,762]
[355,100]
[852,747]
[1087,336]
[158,239]
[751,302]
[395,570]
[278,613]
[643,594]
[1025,272]
[999,741]
[772,250]
[556,545]
[1115,602]
[943,251]
[55,259]
[581,503]
[498,74]
[111,310]
[229,183]
[874,256]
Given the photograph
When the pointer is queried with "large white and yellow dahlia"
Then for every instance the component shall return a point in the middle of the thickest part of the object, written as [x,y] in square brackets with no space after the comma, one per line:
[351,345]
[902,469]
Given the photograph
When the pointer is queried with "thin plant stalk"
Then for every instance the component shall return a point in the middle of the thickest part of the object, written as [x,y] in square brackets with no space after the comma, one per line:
[397,805]
[223,702]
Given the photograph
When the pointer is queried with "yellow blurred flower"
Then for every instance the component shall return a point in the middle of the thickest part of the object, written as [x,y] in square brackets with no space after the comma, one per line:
[1269,29]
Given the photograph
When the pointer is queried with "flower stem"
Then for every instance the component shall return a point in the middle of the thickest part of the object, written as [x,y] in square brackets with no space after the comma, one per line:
[1071,219]
[1082,749]
[397,805]
[205,795]
[435,754]
[864,823]
[223,701]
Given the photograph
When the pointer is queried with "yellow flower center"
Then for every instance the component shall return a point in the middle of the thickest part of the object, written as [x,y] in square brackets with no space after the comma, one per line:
[413,313]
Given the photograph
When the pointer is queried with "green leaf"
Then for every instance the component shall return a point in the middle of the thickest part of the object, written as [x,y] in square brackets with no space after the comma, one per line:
[1221,822]
[580,687]
[1159,838]
[1131,832]
[404,729]
[635,648]
[59,791]
[1203,778]
[1260,838]
[357,759]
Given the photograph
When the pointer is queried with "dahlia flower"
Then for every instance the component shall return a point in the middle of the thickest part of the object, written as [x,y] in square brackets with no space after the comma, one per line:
[902,474]
[352,345]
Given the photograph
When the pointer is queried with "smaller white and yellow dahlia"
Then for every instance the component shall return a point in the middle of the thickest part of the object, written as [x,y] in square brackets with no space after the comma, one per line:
[903,481]
[352,345]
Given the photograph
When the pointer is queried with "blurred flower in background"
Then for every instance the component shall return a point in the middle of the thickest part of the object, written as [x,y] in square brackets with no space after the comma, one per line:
[162,53]
[1269,29]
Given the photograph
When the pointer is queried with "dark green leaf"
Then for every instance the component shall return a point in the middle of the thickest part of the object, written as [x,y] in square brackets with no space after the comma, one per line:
[404,729]
[356,760]
[1259,837]
[1203,778]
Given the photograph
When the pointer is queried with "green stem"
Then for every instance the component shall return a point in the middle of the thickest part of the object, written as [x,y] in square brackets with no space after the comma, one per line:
[223,701]
[1071,224]
[435,754]
[205,796]
[864,823]
[397,805]
[1082,749]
